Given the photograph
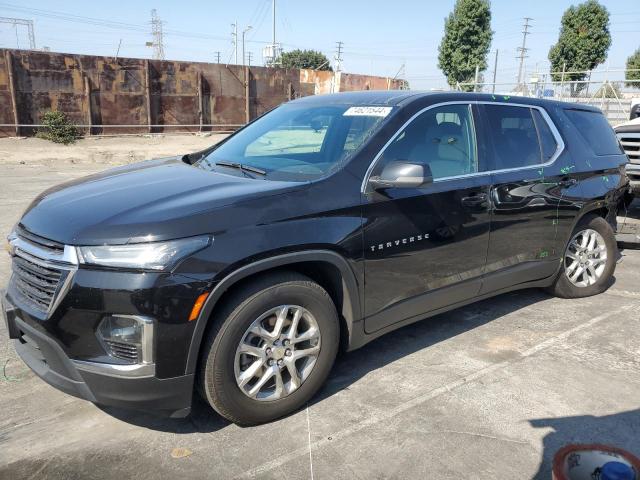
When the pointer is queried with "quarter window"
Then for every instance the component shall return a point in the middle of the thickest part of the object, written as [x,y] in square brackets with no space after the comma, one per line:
[548,142]
[442,138]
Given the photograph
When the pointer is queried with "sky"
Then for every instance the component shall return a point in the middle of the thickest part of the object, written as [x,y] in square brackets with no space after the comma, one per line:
[385,38]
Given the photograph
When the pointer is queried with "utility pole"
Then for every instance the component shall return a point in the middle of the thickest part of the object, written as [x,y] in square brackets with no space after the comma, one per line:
[217,56]
[523,49]
[115,59]
[274,26]
[244,58]
[338,57]
[249,55]
[27,23]
[495,72]
[156,33]
[234,40]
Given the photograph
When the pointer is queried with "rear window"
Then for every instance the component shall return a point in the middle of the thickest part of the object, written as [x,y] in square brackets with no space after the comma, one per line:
[596,131]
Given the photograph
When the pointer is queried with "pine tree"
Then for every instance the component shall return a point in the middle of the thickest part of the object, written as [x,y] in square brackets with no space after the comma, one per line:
[583,43]
[466,41]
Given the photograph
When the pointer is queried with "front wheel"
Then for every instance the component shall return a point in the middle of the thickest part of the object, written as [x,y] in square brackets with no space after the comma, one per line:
[270,349]
[589,260]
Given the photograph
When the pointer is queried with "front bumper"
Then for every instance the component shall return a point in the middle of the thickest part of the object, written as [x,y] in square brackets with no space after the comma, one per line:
[90,380]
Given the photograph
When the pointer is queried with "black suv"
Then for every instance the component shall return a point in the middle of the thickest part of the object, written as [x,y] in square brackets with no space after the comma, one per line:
[241,270]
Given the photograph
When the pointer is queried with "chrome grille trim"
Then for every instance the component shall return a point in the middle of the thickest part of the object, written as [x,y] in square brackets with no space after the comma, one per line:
[42,270]
[631,144]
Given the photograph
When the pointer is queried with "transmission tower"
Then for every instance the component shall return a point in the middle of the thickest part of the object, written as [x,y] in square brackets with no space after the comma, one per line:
[523,49]
[156,33]
[27,23]
[338,57]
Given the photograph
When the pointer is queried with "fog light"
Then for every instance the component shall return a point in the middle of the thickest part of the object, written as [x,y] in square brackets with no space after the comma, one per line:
[127,337]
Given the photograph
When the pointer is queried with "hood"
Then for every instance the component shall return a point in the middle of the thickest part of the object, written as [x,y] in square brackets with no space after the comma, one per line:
[149,201]
[630,126]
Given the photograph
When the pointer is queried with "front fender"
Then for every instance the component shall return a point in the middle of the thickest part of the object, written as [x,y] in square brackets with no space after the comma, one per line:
[351,307]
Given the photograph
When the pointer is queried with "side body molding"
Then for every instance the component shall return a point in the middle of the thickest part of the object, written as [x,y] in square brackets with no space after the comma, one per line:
[351,295]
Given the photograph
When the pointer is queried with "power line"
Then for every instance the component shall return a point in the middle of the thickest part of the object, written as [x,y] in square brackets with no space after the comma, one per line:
[523,49]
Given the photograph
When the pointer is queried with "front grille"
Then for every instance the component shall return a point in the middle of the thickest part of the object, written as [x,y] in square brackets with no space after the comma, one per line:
[50,246]
[35,283]
[40,268]
[631,144]
[123,351]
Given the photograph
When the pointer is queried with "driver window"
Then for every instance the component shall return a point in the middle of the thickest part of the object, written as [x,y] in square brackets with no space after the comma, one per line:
[442,137]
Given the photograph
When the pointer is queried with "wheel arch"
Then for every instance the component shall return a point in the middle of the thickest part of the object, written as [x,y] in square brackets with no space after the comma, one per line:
[327,268]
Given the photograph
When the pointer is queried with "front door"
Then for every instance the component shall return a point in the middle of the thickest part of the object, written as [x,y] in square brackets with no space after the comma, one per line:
[426,248]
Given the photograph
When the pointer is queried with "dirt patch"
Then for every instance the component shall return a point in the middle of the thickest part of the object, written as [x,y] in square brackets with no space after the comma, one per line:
[101,150]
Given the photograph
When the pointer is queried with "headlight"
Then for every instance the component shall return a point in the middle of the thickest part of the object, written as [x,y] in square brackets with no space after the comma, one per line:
[145,256]
[10,238]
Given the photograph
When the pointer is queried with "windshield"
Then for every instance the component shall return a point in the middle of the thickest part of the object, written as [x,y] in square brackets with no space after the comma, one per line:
[296,142]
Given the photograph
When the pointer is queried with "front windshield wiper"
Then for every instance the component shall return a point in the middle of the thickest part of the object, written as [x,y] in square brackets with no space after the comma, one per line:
[241,167]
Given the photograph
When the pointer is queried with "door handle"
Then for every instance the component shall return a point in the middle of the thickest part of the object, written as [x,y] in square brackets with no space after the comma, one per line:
[474,200]
[568,182]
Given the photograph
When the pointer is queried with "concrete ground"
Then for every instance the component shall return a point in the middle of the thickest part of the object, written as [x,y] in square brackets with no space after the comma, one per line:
[491,390]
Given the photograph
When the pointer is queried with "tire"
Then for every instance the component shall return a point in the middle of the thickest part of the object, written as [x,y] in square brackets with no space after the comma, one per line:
[221,364]
[563,287]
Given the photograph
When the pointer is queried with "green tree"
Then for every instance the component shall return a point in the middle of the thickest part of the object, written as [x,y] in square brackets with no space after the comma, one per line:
[582,45]
[305,59]
[633,70]
[466,41]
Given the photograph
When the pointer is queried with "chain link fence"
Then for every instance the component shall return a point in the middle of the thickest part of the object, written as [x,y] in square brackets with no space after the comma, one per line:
[608,90]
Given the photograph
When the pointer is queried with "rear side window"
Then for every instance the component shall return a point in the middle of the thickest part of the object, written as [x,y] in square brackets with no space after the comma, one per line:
[596,131]
[516,140]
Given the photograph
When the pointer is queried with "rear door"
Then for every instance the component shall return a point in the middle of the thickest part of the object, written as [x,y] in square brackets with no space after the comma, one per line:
[532,196]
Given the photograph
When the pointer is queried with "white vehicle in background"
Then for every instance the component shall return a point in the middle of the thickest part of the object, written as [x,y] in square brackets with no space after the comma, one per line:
[629,136]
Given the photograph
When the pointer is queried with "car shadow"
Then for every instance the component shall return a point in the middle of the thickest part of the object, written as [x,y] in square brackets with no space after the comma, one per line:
[202,419]
[352,366]
[617,430]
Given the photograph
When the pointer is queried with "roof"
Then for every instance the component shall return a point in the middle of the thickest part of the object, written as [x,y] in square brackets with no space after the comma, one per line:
[397,97]
[365,97]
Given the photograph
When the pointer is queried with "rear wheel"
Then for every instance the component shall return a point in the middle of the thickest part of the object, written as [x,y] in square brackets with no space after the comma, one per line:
[589,260]
[270,350]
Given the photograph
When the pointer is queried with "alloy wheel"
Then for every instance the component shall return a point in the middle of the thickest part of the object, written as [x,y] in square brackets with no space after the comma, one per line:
[277,353]
[585,258]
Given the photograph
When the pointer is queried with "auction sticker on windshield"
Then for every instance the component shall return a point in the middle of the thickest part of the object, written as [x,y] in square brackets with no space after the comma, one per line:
[367,112]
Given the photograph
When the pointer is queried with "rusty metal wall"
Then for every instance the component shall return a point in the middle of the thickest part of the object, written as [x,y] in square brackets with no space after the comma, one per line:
[138,93]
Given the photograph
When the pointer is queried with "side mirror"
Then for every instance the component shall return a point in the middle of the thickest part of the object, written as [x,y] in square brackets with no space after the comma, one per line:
[402,174]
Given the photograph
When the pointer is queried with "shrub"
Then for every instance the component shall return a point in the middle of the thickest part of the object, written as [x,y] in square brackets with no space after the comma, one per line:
[57,128]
